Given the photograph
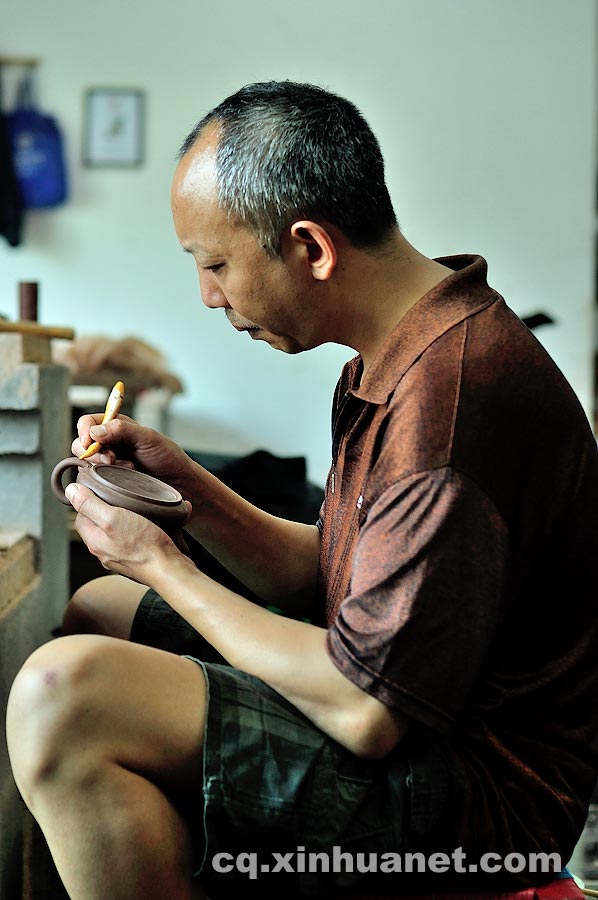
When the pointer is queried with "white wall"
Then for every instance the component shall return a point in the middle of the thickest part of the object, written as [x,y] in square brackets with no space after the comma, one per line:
[485,111]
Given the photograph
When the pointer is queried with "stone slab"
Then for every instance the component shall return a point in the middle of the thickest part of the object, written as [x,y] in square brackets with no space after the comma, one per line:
[19,388]
[31,607]
[21,493]
[19,432]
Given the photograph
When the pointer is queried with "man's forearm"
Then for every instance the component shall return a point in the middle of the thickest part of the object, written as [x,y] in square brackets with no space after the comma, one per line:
[288,655]
[274,558]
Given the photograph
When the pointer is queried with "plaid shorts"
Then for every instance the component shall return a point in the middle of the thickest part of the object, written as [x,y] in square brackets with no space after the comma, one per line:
[275,784]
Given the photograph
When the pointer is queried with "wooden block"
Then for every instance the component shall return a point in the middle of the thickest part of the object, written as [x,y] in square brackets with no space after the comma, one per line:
[16,349]
[9,538]
[17,569]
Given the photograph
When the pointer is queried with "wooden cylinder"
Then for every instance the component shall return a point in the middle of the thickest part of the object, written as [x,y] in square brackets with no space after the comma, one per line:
[28,294]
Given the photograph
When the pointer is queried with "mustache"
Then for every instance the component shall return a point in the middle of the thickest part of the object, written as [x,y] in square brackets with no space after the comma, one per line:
[238,321]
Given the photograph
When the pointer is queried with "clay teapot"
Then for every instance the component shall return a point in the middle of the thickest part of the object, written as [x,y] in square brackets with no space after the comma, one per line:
[126,488]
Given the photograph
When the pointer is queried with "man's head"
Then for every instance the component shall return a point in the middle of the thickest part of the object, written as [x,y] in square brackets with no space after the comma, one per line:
[290,151]
[279,195]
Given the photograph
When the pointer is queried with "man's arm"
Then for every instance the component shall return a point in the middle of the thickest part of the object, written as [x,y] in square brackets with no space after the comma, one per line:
[289,655]
[276,559]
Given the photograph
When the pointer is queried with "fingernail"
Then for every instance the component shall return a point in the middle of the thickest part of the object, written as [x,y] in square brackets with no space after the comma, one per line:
[105,458]
[70,491]
[98,430]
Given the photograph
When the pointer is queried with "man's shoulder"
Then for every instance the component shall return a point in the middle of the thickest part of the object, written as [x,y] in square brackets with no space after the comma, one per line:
[485,396]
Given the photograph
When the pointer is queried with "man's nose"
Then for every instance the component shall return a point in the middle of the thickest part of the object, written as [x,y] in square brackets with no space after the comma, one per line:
[211,293]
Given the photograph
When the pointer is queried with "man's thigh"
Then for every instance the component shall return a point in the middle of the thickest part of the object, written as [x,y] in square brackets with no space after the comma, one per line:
[277,789]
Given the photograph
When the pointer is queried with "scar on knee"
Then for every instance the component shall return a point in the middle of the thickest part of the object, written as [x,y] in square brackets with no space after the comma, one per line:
[50,678]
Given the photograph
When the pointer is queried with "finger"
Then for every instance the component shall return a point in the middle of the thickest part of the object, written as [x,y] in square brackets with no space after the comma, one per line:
[84,423]
[123,463]
[86,438]
[87,522]
[103,437]
[104,455]
[121,430]
[87,504]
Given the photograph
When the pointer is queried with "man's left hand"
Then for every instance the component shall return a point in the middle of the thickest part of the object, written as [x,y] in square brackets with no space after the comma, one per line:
[123,541]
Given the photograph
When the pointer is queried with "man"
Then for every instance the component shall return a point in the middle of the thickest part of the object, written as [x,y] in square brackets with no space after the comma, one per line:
[443,695]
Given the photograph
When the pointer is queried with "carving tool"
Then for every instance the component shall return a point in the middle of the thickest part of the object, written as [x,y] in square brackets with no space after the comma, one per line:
[112,407]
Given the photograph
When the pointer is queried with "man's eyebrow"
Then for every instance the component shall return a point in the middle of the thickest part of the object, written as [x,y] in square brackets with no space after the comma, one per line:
[195,248]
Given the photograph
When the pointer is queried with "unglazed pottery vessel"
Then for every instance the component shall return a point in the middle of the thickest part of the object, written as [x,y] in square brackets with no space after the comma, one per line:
[126,488]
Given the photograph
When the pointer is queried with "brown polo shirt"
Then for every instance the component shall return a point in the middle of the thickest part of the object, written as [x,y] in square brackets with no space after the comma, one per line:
[459,556]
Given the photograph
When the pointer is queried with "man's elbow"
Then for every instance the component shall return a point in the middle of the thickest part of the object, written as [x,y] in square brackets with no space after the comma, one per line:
[374,736]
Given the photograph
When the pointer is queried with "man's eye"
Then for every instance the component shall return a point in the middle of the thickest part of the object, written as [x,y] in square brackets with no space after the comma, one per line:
[213,268]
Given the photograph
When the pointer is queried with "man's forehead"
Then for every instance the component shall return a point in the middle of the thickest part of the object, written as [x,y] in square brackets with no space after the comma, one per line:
[197,173]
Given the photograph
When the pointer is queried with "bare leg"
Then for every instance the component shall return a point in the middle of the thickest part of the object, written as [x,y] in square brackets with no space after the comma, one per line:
[104,606]
[105,737]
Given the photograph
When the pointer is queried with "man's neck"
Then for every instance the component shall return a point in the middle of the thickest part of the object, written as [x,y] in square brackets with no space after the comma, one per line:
[383,286]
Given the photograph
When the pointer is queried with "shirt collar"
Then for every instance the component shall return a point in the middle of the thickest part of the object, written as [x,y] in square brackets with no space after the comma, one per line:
[454,299]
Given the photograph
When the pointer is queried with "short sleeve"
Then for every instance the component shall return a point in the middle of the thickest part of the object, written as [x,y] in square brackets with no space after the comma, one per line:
[427,586]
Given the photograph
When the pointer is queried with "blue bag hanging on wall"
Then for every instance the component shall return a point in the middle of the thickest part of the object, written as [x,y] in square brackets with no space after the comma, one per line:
[37,151]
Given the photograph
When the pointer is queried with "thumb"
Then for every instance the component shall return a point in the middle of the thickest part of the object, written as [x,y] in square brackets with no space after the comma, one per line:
[87,503]
[74,495]
[117,431]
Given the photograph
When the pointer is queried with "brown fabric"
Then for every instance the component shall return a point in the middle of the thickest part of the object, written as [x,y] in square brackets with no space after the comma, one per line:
[458,560]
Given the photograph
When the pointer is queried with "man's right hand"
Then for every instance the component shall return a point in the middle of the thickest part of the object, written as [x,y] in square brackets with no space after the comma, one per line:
[275,558]
[125,441]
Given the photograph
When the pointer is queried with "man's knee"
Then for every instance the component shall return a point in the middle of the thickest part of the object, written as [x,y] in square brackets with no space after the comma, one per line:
[50,702]
[103,606]
[81,613]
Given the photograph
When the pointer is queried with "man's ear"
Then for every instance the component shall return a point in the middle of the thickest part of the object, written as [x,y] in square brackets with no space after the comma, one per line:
[317,245]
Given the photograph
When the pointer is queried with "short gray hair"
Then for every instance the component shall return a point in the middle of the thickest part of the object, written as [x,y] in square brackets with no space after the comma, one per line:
[289,151]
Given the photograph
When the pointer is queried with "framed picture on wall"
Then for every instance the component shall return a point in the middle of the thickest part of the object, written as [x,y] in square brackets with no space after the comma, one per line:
[114,127]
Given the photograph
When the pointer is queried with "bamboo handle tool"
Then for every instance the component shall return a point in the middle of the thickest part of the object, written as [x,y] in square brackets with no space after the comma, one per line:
[112,407]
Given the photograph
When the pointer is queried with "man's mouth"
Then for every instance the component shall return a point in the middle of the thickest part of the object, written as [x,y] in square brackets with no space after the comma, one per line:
[250,329]
[242,325]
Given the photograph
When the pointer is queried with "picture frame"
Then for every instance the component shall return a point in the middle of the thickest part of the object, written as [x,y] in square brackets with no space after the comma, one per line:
[114,127]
